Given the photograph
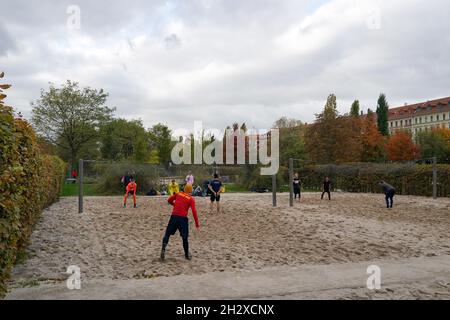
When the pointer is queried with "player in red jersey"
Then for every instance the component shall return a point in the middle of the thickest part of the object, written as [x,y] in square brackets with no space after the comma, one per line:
[181,203]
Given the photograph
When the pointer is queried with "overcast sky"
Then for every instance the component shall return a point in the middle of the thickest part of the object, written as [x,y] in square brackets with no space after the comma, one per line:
[222,61]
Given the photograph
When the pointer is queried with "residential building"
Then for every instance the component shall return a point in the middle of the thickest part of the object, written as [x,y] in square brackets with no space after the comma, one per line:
[419,117]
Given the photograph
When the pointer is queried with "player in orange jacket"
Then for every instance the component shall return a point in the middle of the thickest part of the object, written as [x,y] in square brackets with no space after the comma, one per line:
[131,188]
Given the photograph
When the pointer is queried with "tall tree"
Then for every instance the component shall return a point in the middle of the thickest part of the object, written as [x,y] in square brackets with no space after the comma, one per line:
[160,140]
[70,117]
[124,140]
[372,140]
[354,110]
[292,143]
[332,138]
[383,115]
[348,145]
[330,111]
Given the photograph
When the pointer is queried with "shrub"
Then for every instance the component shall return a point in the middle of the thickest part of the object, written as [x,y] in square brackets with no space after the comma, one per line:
[29,182]
[408,179]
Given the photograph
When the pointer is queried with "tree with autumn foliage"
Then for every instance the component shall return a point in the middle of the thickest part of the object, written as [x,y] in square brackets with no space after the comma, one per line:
[373,142]
[400,147]
[333,138]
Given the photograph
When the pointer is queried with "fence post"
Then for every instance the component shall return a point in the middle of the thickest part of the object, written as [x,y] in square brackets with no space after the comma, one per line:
[80,186]
[291,182]
[434,178]
[274,190]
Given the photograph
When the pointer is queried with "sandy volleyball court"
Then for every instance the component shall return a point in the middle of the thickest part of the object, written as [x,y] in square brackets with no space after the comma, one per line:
[112,243]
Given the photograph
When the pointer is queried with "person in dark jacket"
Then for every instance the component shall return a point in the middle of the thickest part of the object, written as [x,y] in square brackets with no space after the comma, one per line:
[297,187]
[215,186]
[389,192]
[326,188]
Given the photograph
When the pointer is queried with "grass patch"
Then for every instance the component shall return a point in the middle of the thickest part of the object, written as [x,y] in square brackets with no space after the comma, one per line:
[71,190]
[28,283]
[233,187]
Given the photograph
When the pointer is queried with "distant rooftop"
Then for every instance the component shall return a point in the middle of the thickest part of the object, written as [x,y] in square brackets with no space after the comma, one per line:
[422,108]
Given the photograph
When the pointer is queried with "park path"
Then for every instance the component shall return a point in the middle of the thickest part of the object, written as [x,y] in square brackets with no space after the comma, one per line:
[422,277]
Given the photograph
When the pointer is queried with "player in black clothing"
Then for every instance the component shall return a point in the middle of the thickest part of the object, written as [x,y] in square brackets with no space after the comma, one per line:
[297,187]
[389,192]
[326,188]
[215,186]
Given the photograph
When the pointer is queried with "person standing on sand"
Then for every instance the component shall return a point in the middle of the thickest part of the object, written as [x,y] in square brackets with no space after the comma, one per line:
[215,186]
[173,188]
[181,203]
[326,188]
[131,188]
[189,179]
[389,192]
[297,187]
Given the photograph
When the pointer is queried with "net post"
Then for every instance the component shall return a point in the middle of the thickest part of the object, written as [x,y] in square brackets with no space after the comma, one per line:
[291,182]
[274,190]
[80,185]
[434,178]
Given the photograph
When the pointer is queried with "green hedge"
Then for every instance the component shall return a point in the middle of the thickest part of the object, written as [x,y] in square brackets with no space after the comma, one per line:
[29,182]
[408,179]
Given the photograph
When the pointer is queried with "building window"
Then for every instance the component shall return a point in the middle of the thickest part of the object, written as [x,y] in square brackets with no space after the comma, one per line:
[420,119]
[437,118]
[401,123]
[396,124]
[416,121]
[443,116]
[431,118]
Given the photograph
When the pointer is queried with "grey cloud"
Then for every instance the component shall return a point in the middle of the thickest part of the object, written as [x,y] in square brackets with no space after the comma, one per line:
[228,65]
[172,41]
[6,41]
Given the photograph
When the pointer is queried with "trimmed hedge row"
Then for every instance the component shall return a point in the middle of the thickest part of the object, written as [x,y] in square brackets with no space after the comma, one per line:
[29,182]
[408,179]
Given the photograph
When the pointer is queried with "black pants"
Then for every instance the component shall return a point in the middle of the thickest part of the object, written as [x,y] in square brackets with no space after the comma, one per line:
[329,194]
[181,224]
[297,193]
[390,198]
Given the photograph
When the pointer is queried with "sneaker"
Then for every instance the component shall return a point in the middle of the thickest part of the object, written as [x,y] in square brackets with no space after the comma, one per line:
[188,257]
[124,205]
[163,255]
[135,205]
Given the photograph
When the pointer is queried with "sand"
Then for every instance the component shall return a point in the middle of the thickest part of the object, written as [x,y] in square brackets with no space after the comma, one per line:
[112,243]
